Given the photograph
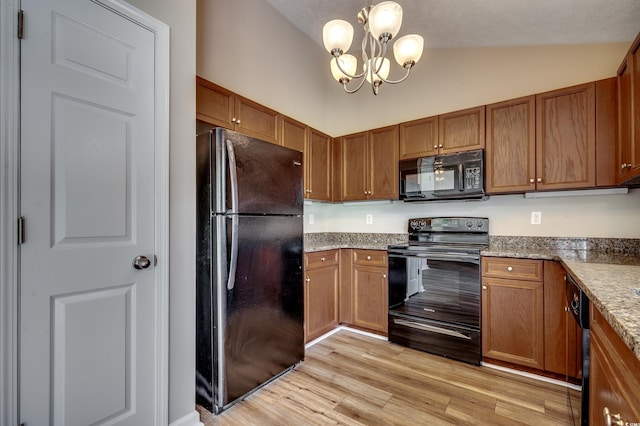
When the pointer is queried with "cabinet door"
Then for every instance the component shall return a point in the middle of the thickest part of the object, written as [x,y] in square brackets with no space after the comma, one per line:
[354,169]
[321,301]
[565,138]
[293,134]
[255,120]
[418,138]
[214,104]
[511,146]
[318,159]
[561,331]
[461,130]
[513,321]
[370,309]
[624,151]
[635,106]
[606,131]
[383,163]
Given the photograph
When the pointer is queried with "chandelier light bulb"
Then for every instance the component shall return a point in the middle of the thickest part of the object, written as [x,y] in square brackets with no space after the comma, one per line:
[337,34]
[349,63]
[408,50]
[385,18]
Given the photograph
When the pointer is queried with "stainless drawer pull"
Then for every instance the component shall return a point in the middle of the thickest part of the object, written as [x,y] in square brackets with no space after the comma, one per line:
[431,328]
[509,268]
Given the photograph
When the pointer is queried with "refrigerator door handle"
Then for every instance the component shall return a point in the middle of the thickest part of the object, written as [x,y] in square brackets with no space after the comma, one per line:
[233,178]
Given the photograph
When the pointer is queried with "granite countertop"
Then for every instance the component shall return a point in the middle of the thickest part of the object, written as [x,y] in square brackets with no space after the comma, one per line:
[610,278]
[607,269]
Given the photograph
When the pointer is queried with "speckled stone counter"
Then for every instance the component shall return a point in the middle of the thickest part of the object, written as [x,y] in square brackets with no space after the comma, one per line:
[337,240]
[608,271]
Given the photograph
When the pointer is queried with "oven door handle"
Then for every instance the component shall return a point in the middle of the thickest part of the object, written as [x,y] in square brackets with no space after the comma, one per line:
[431,328]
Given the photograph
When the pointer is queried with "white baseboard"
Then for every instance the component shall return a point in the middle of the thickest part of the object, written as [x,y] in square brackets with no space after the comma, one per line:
[191,419]
[532,376]
[345,328]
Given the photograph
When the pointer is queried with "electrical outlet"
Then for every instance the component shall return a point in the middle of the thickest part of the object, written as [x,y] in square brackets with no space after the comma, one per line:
[536,218]
[368,219]
[312,219]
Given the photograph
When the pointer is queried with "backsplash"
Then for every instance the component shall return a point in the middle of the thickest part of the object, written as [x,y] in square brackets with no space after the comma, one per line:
[630,246]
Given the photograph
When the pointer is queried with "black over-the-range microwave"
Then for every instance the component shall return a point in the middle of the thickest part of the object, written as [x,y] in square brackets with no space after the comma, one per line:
[443,177]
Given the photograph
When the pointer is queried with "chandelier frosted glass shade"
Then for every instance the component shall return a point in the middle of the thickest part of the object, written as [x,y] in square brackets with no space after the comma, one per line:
[385,18]
[337,34]
[408,50]
[381,24]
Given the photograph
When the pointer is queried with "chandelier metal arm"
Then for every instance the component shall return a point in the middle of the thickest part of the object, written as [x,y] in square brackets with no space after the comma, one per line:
[408,68]
[337,55]
[344,86]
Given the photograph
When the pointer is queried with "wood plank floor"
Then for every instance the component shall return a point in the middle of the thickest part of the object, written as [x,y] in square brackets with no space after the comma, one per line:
[353,379]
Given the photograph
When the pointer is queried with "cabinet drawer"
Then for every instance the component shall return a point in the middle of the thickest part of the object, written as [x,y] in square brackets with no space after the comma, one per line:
[370,257]
[320,258]
[506,267]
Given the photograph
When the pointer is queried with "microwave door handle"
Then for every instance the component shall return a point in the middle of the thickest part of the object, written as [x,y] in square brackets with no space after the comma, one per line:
[460,178]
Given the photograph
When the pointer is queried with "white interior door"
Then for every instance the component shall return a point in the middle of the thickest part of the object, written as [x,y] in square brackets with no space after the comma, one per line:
[88,319]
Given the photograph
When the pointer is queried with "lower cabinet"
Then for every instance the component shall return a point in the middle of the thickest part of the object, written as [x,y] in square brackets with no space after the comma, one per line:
[524,320]
[321,287]
[614,386]
[512,311]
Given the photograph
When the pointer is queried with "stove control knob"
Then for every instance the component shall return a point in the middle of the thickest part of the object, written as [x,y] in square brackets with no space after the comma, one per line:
[479,223]
[469,224]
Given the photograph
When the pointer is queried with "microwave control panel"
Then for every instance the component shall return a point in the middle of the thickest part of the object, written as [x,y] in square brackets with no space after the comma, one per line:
[472,178]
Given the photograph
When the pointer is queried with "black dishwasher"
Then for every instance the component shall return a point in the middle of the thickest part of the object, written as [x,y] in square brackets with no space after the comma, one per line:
[578,303]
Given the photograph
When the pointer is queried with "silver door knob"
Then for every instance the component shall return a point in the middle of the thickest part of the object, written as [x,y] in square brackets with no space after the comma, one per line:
[141,262]
[539,180]
[531,180]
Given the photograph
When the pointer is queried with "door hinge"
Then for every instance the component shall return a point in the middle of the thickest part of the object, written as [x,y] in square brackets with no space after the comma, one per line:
[20,24]
[21,230]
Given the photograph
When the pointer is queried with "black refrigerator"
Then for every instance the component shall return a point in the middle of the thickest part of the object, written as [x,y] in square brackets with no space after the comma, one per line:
[249,290]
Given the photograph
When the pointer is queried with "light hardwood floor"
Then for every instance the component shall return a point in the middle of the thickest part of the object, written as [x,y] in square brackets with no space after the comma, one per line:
[352,379]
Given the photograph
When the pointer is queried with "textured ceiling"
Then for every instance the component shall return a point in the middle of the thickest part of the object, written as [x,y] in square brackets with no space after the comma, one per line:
[482,23]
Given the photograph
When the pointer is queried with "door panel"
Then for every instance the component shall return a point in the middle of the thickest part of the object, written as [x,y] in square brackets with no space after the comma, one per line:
[88,319]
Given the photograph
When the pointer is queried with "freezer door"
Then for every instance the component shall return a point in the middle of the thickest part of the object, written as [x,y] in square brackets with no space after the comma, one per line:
[263,332]
[261,178]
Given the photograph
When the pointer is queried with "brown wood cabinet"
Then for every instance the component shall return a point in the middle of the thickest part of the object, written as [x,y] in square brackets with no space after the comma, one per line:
[316,147]
[628,152]
[562,335]
[513,311]
[511,146]
[321,293]
[224,108]
[419,138]
[369,165]
[363,289]
[565,138]
[461,130]
[606,132]
[318,166]
[614,383]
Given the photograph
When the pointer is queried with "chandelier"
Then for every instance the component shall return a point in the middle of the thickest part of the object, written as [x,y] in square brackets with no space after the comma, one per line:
[381,23]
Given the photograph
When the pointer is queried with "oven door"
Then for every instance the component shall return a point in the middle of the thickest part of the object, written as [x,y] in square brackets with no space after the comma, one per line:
[444,286]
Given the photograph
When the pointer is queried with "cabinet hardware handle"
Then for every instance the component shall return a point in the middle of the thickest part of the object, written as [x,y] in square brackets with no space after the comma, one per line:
[435,147]
[539,180]
[368,257]
[308,280]
[322,259]
[628,166]
[623,166]
[238,121]
[532,180]
[509,268]
[566,309]
[233,120]
[484,287]
[384,275]
[440,146]
[612,419]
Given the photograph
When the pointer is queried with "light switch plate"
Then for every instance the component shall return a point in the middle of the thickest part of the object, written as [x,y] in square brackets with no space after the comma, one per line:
[536,218]
[368,219]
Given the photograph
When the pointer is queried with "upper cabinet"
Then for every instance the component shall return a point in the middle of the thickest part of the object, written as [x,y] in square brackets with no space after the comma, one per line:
[461,130]
[511,146]
[565,138]
[453,132]
[419,138]
[369,165]
[318,166]
[221,107]
[628,153]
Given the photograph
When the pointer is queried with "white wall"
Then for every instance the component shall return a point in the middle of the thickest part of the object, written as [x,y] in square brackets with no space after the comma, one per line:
[181,17]
[613,216]
[248,47]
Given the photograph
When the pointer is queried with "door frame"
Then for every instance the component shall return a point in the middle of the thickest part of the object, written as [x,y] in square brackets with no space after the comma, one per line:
[10,202]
